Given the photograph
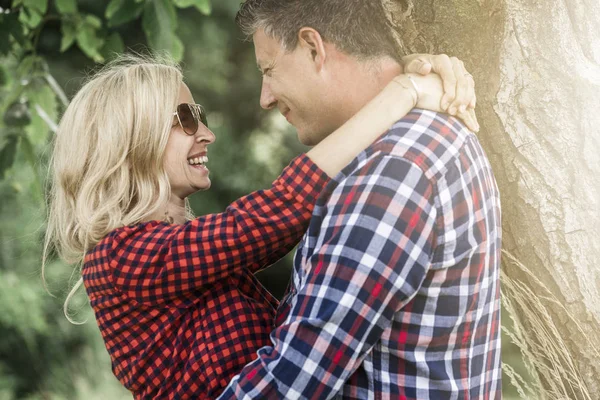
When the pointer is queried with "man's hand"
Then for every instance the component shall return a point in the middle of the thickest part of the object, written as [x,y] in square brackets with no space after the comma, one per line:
[459,97]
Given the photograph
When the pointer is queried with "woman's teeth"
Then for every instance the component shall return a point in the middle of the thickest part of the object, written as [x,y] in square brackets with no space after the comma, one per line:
[198,160]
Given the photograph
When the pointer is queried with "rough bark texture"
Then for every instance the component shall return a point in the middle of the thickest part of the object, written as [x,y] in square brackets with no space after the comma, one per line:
[537,69]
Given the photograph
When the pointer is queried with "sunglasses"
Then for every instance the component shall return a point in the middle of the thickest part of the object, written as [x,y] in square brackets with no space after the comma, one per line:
[190,116]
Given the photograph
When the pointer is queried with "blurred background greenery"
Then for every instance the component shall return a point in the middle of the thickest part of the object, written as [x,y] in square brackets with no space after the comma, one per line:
[47,48]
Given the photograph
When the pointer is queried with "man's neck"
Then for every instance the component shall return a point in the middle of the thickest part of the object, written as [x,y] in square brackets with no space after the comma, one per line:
[363,80]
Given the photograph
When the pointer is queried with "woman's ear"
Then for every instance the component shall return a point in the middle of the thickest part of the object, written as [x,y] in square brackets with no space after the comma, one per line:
[310,40]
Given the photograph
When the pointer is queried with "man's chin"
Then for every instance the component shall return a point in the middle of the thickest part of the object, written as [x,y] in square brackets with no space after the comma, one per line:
[309,139]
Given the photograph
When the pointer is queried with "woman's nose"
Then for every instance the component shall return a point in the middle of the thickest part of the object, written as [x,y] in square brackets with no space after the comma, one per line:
[203,134]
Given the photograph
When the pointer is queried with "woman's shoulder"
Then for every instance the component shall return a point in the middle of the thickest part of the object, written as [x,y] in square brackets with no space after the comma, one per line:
[127,236]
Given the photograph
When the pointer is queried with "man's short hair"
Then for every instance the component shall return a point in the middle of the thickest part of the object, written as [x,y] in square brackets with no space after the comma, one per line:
[356,27]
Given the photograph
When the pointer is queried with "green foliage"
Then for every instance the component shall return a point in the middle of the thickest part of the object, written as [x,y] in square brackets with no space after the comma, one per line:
[202,5]
[8,149]
[159,22]
[119,12]
[66,6]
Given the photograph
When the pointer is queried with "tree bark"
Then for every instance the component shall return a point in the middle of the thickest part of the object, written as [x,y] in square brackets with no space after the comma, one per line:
[537,69]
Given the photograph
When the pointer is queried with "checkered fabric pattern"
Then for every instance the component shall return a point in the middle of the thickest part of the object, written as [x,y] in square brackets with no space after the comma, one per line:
[395,292]
[178,306]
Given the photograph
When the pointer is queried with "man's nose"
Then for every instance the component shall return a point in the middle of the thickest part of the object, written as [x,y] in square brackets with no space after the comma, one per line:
[267,100]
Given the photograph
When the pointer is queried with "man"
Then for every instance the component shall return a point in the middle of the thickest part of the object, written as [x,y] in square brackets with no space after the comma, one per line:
[395,292]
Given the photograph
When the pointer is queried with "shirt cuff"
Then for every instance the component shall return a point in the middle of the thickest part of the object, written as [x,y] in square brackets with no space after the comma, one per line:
[304,179]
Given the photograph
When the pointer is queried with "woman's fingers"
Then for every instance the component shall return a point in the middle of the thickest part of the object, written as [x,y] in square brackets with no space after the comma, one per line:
[459,85]
[469,118]
[417,64]
[442,65]
[463,87]
[473,102]
[424,64]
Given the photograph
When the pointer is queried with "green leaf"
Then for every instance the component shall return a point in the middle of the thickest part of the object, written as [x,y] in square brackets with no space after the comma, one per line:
[30,17]
[122,11]
[183,3]
[3,76]
[93,21]
[159,22]
[112,8]
[203,6]
[177,50]
[9,26]
[68,31]
[8,149]
[26,66]
[66,6]
[89,42]
[113,45]
[29,152]
[41,99]
[38,5]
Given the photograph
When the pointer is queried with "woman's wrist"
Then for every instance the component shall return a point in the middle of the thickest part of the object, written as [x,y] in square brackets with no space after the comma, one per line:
[405,87]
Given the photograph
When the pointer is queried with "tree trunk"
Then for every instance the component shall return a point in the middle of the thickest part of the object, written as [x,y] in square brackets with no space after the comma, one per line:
[537,69]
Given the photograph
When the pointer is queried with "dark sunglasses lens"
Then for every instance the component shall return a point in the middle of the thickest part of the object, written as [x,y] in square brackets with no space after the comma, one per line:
[203,118]
[189,124]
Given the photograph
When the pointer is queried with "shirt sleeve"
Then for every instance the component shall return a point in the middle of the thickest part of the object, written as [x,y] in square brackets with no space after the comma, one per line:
[372,255]
[167,264]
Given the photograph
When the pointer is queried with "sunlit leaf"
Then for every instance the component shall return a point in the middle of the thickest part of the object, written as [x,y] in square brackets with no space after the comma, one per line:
[30,17]
[112,8]
[38,5]
[204,6]
[93,21]
[89,42]
[66,6]
[44,98]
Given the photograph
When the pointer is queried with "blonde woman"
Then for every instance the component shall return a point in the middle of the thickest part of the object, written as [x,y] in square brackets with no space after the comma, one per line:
[175,297]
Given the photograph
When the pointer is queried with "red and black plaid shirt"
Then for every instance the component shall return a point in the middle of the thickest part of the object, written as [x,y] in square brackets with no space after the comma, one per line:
[178,306]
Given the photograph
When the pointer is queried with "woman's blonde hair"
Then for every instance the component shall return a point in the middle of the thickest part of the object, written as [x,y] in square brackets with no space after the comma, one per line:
[107,161]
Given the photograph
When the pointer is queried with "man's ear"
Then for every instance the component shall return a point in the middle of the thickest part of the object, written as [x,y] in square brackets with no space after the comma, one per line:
[311,40]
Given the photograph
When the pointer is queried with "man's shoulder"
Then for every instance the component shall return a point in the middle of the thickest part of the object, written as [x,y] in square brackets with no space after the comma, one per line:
[429,139]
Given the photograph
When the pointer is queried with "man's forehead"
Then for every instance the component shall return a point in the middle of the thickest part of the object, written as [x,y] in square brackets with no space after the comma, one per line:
[266,48]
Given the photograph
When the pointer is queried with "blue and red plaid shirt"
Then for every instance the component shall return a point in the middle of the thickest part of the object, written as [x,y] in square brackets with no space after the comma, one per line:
[395,292]
[178,306]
